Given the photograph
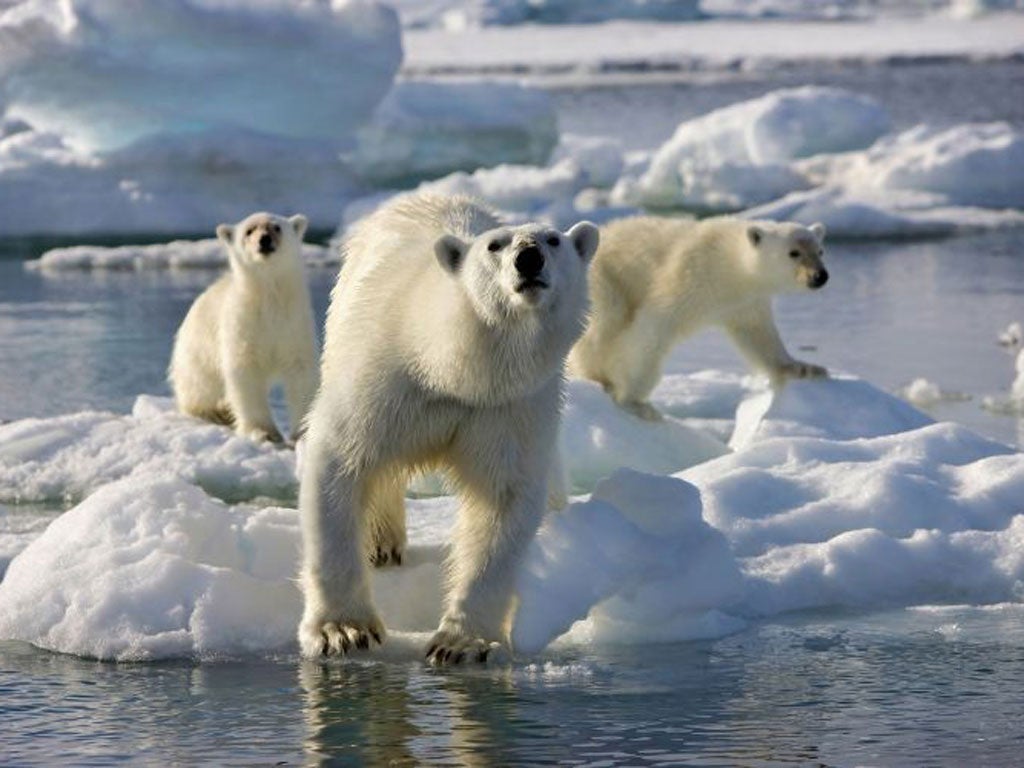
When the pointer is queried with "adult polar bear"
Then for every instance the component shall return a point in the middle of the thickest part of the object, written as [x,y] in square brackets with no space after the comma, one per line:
[657,280]
[445,345]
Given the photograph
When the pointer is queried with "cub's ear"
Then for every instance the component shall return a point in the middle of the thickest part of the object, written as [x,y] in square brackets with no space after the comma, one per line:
[585,237]
[450,252]
[226,234]
[755,235]
[818,230]
[299,224]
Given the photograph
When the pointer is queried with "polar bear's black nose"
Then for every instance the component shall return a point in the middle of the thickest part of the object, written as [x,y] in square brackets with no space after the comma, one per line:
[819,278]
[266,243]
[529,261]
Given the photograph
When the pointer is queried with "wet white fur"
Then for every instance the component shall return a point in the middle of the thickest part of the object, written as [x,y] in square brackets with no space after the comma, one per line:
[249,330]
[432,359]
[657,280]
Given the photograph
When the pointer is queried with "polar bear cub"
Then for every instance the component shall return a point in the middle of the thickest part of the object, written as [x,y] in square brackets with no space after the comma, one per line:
[252,328]
[445,346]
[657,280]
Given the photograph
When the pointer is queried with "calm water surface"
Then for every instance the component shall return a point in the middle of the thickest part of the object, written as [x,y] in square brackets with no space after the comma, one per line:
[906,688]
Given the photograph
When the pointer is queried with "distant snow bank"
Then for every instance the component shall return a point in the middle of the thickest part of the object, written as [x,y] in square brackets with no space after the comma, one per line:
[460,15]
[838,496]
[177,254]
[105,73]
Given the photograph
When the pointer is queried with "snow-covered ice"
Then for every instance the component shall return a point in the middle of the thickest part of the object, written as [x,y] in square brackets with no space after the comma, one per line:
[423,130]
[69,457]
[177,254]
[810,511]
[104,73]
[470,14]
[741,155]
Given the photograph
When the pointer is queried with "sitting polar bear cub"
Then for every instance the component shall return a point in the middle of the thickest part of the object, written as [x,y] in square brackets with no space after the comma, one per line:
[250,329]
[656,280]
[445,346]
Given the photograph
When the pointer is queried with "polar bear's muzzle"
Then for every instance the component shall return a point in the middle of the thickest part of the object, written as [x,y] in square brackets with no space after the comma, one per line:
[529,265]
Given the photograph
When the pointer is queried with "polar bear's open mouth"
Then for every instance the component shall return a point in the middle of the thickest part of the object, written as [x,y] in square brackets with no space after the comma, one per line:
[531,284]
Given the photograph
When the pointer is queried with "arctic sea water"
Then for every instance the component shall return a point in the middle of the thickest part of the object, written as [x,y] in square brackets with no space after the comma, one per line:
[935,686]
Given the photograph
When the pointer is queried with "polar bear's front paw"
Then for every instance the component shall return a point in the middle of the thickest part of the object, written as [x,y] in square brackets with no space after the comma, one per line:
[337,638]
[447,647]
[384,555]
[262,434]
[643,410]
[801,370]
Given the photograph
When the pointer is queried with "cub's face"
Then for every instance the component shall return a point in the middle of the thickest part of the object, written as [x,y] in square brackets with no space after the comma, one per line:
[790,255]
[524,269]
[263,238]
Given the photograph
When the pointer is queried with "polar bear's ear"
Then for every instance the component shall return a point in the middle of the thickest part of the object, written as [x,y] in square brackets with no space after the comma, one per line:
[755,235]
[299,224]
[585,237]
[818,230]
[226,234]
[450,252]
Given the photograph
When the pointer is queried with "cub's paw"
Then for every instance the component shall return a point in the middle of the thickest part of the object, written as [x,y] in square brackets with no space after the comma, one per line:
[383,555]
[643,410]
[263,434]
[337,638]
[447,648]
[801,370]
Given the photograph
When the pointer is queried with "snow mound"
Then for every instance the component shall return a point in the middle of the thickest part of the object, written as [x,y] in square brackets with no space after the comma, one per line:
[836,409]
[921,182]
[166,183]
[640,552]
[975,164]
[598,437]
[424,130]
[740,156]
[177,254]
[931,515]
[856,213]
[69,457]
[104,73]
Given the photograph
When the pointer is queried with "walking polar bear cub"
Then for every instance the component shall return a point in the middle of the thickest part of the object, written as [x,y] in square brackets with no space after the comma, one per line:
[656,280]
[445,345]
[250,329]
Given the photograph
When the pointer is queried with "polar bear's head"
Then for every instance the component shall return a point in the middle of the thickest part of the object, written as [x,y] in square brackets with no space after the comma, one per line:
[527,269]
[263,240]
[789,254]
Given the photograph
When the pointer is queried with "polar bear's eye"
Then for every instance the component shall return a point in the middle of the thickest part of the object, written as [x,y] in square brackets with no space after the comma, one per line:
[553,241]
[494,246]
[249,231]
[277,229]
[794,254]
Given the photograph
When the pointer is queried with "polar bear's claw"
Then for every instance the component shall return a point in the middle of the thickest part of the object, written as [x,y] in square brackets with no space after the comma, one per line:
[384,556]
[447,648]
[338,638]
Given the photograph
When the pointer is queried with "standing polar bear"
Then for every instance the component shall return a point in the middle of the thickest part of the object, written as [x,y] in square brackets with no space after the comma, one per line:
[656,281]
[445,346]
[250,329]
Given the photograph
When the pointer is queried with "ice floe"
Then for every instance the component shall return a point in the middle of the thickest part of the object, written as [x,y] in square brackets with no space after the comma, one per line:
[841,496]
